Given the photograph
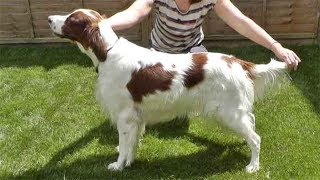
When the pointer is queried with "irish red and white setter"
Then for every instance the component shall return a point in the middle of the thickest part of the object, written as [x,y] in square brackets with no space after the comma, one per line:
[139,86]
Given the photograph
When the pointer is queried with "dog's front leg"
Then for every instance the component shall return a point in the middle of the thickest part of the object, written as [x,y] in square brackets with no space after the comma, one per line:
[135,133]
[123,149]
[129,127]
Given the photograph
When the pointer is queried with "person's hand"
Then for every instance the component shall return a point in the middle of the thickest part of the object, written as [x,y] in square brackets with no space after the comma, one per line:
[286,55]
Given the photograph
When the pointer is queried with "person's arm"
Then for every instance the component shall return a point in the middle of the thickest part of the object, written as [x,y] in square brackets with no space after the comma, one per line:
[248,28]
[131,16]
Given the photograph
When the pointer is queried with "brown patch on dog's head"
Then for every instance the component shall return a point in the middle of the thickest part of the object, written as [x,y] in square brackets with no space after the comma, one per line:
[83,28]
[196,73]
[247,66]
[148,80]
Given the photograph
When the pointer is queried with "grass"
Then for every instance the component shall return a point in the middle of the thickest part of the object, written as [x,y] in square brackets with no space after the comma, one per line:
[52,128]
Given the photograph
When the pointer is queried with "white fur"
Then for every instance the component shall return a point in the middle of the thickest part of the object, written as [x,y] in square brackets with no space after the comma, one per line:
[226,93]
[58,20]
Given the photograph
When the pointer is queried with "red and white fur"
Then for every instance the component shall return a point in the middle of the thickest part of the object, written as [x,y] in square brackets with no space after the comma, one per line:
[139,86]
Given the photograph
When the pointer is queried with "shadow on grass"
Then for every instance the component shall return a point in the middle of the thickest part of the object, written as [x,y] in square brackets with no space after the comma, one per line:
[216,158]
[307,78]
[47,57]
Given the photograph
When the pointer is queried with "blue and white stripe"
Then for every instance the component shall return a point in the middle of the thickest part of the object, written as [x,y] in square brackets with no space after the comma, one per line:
[175,31]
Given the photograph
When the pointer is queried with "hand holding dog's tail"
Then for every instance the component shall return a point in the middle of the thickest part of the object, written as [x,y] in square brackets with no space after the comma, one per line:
[267,76]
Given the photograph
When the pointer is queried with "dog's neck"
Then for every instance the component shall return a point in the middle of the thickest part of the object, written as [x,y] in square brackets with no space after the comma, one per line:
[109,38]
[108,35]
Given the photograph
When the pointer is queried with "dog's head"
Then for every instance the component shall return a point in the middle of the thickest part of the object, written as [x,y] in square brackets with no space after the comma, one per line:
[75,25]
[82,27]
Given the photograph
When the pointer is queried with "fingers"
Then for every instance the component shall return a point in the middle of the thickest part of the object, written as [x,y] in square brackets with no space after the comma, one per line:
[292,59]
[288,60]
[296,59]
[299,60]
[289,57]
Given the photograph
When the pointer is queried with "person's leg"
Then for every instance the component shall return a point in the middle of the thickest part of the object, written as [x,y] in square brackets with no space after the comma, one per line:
[198,49]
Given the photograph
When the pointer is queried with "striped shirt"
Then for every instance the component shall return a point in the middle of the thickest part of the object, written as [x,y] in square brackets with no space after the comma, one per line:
[175,31]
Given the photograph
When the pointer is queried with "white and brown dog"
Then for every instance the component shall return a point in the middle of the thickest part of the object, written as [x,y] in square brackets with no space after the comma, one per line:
[138,86]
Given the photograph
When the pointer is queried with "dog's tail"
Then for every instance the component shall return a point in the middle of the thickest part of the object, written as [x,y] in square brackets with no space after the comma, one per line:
[267,76]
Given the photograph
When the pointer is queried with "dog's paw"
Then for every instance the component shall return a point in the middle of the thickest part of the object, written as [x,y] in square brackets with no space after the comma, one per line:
[128,163]
[115,166]
[251,168]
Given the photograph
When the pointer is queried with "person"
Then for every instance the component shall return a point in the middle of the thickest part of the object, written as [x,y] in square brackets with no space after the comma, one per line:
[177,27]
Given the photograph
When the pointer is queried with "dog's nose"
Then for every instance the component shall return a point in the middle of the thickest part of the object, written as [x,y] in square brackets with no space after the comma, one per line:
[49,20]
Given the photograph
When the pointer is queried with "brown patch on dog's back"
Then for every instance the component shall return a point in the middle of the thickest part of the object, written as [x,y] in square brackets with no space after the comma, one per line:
[196,73]
[247,66]
[148,80]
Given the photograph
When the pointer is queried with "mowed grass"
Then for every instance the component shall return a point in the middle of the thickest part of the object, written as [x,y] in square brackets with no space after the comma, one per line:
[52,128]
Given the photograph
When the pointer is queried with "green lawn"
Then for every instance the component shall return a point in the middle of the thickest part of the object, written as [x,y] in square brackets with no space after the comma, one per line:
[52,128]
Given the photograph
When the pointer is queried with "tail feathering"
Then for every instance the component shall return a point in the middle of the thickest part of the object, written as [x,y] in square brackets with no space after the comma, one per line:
[268,76]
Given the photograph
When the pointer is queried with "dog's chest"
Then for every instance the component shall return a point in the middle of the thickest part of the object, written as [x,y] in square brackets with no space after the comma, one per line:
[164,107]
[179,101]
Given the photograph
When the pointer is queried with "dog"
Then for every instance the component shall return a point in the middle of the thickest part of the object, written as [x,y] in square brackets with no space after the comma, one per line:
[138,86]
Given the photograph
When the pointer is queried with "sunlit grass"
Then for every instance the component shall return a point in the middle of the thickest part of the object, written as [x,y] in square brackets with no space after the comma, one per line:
[52,128]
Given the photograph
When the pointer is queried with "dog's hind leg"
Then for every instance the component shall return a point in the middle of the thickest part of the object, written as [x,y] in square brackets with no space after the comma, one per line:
[253,140]
[242,122]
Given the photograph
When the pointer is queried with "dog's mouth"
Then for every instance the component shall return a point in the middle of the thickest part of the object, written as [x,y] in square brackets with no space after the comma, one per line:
[64,37]
[59,35]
